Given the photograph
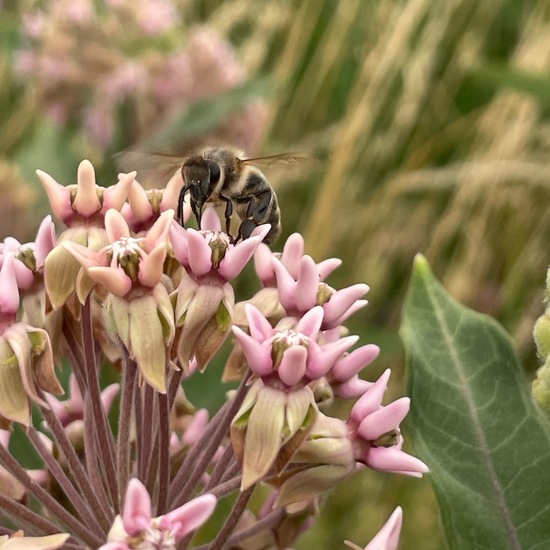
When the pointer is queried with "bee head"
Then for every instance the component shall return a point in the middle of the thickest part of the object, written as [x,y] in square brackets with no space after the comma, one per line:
[200,176]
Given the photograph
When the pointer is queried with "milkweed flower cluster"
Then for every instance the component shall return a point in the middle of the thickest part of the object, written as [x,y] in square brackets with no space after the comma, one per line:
[124,290]
[92,61]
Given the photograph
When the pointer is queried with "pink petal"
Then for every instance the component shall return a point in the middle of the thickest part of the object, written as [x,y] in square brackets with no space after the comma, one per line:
[372,400]
[139,202]
[196,427]
[388,537]
[323,361]
[286,285]
[85,256]
[310,323]
[352,388]
[260,327]
[293,365]
[348,313]
[45,240]
[210,220]
[261,231]
[384,419]
[237,257]
[86,201]
[263,265]
[159,231]
[352,364]
[23,275]
[58,407]
[342,300]
[171,194]
[326,267]
[115,225]
[150,268]
[137,508]
[9,292]
[307,284]
[178,238]
[189,517]
[115,196]
[391,459]
[112,278]
[258,356]
[108,395]
[200,254]
[58,195]
[292,253]
[77,402]
[114,546]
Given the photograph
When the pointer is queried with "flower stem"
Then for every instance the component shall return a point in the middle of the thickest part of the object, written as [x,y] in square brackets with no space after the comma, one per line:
[124,423]
[146,433]
[103,431]
[231,522]
[34,523]
[207,445]
[99,505]
[226,487]
[164,454]
[68,488]
[92,461]
[77,527]
[221,467]
[273,519]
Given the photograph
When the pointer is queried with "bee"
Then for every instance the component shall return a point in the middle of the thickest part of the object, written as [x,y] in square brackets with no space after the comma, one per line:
[222,175]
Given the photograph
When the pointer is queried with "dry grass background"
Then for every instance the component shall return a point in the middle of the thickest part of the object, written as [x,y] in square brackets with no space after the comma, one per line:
[430,122]
[422,150]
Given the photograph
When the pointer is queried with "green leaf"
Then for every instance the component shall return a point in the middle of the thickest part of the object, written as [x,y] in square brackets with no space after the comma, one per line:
[473,422]
[207,114]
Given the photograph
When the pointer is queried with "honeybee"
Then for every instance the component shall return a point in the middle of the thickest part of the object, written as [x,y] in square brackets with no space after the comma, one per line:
[218,175]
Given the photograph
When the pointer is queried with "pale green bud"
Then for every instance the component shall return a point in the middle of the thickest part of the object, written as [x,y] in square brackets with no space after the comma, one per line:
[541,334]
[541,387]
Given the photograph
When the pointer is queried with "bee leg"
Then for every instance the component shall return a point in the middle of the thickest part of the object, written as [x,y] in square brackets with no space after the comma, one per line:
[181,202]
[196,208]
[255,213]
[228,214]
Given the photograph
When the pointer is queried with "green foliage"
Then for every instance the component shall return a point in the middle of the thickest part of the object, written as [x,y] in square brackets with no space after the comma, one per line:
[473,422]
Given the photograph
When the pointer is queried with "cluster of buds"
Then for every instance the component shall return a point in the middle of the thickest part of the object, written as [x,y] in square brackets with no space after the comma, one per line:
[124,288]
[90,61]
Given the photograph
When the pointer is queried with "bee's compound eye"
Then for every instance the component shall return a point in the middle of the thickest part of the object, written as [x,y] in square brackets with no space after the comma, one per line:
[214,169]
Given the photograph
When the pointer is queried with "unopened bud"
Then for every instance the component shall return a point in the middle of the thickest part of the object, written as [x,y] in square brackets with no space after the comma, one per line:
[541,334]
[541,387]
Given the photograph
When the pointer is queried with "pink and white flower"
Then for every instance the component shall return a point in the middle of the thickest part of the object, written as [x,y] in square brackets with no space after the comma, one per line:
[137,529]
[292,353]
[375,431]
[209,255]
[388,537]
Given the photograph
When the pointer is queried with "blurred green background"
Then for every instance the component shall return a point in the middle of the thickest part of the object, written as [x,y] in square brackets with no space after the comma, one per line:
[429,121]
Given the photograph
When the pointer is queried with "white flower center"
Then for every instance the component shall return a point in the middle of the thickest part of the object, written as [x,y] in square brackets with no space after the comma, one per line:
[290,337]
[125,246]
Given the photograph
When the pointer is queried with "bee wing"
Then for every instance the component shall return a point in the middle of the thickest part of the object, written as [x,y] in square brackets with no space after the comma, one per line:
[157,166]
[287,159]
